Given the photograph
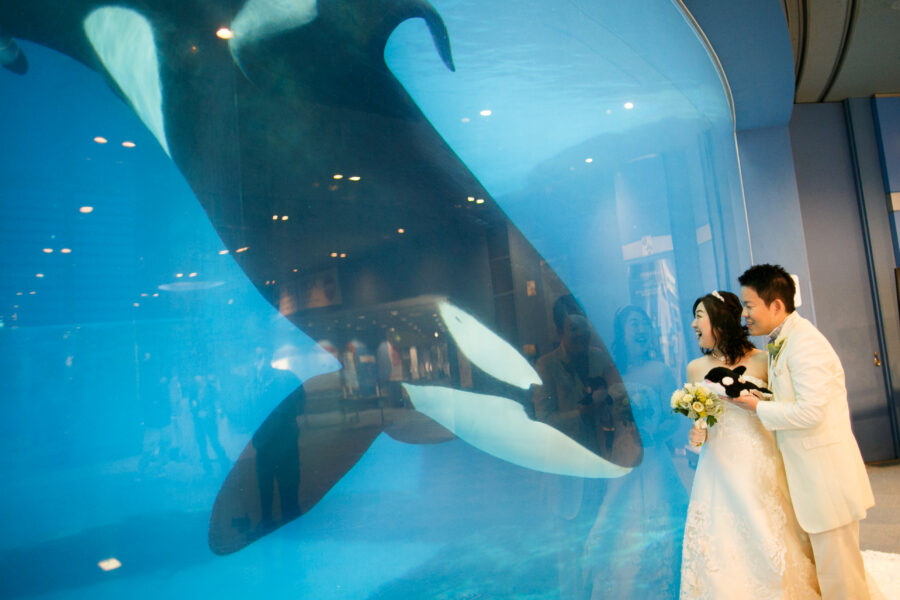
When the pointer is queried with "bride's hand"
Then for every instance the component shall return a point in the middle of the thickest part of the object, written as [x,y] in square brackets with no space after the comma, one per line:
[697,436]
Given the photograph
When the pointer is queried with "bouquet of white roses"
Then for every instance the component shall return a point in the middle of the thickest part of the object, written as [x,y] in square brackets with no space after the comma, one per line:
[698,402]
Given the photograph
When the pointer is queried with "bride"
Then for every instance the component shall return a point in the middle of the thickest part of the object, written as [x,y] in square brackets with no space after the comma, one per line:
[741,538]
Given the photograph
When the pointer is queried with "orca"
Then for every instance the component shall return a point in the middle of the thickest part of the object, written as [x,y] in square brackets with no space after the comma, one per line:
[291,110]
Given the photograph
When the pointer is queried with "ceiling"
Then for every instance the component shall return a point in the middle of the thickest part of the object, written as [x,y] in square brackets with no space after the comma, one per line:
[844,48]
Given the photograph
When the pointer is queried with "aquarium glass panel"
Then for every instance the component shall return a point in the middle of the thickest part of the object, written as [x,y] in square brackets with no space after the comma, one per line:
[354,299]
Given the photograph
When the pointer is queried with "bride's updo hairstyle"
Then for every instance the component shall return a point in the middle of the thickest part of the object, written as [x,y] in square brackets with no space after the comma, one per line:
[724,311]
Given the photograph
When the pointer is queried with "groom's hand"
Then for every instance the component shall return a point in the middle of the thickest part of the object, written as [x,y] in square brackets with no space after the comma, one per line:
[747,400]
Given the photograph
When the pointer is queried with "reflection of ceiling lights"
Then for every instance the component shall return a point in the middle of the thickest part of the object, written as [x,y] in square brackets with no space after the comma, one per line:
[192,275]
[223,252]
[189,286]
[100,140]
[39,275]
[343,255]
[401,230]
[471,198]
[465,119]
[86,209]
[355,178]
[337,176]
[485,113]
[179,274]
[334,255]
[629,105]
[224,33]
[284,218]
[589,160]
[479,201]
[128,144]
[244,249]
[109,564]
[274,217]
[48,250]
[66,250]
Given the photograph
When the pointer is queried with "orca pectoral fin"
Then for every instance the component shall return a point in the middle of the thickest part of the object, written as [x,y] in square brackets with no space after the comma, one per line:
[292,461]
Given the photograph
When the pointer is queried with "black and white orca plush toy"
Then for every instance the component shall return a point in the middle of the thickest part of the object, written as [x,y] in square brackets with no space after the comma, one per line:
[733,381]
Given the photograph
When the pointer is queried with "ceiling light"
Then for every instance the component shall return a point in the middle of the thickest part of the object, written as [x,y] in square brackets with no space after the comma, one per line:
[334,255]
[485,113]
[244,249]
[128,144]
[48,250]
[355,178]
[337,176]
[401,230]
[343,255]
[100,140]
[629,105]
[109,564]
[471,198]
[86,209]
[224,33]
[284,218]
[479,201]
[179,274]
[66,250]
[589,160]
[223,251]
[274,217]
[192,275]
[39,275]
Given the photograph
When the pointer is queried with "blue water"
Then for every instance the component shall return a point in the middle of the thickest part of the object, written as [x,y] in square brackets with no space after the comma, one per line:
[104,452]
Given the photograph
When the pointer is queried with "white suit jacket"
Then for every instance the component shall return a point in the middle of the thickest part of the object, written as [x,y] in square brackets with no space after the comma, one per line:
[811,419]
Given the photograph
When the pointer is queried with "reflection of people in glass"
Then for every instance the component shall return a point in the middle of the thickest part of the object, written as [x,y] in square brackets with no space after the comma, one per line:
[574,396]
[642,513]
[742,539]
[278,456]
[200,393]
[574,399]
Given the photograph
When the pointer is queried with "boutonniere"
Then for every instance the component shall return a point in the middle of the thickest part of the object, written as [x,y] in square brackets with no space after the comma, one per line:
[775,347]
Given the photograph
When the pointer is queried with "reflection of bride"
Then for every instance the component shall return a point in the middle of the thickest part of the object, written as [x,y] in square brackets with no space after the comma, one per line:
[633,549]
[741,539]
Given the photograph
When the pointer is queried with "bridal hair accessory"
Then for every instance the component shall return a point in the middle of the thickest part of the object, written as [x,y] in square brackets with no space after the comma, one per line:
[715,294]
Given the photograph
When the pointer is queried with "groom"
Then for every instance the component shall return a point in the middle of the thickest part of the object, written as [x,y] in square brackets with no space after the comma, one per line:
[809,414]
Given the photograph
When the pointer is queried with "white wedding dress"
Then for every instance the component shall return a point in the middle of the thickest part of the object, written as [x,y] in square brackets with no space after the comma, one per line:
[741,538]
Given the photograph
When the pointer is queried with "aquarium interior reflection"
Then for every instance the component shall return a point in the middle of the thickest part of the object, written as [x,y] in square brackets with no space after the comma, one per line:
[484,288]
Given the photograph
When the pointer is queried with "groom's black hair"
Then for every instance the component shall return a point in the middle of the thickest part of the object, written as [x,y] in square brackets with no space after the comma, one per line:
[770,282]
